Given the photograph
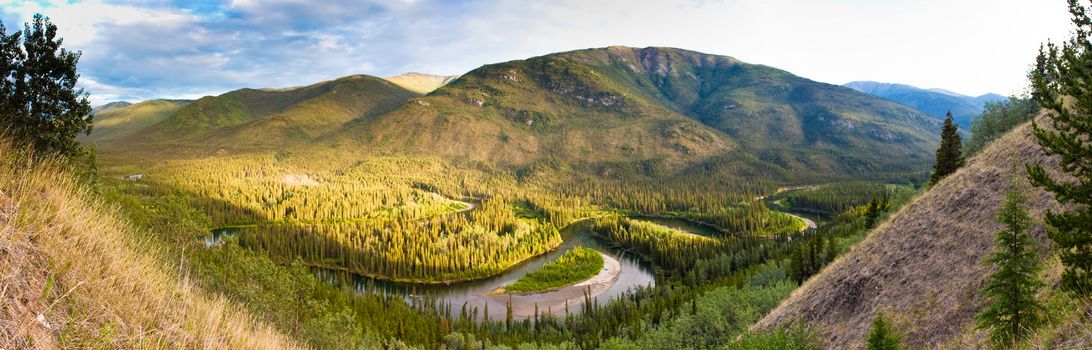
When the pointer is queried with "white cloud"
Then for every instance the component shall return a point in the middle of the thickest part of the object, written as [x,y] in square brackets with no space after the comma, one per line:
[156,49]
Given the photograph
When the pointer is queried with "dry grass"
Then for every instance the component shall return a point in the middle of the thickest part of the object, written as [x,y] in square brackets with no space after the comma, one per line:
[924,266]
[73,274]
[1070,327]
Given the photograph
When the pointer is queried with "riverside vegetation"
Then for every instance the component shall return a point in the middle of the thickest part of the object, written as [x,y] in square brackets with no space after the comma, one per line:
[576,265]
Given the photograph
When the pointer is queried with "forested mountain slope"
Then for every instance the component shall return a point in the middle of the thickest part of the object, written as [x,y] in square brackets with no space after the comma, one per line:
[636,104]
[263,119]
[924,267]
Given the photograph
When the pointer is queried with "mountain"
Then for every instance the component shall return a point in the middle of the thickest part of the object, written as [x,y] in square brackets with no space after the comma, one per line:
[990,97]
[109,106]
[935,102]
[640,104]
[121,119]
[421,83]
[925,267]
[256,119]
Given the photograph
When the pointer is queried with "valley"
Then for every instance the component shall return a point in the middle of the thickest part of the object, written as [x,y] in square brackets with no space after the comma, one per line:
[613,197]
[406,204]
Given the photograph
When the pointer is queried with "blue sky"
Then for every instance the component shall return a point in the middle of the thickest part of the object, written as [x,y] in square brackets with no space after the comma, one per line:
[142,49]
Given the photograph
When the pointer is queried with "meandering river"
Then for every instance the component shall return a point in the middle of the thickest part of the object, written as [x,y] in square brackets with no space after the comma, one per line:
[475,294]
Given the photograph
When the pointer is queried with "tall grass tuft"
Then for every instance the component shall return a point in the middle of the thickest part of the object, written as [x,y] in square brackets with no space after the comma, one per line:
[74,274]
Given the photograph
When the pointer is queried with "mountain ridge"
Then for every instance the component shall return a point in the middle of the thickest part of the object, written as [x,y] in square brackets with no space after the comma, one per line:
[935,102]
[707,104]
[257,119]
[667,108]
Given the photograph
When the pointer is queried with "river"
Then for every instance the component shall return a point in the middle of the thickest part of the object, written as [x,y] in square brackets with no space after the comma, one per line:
[475,294]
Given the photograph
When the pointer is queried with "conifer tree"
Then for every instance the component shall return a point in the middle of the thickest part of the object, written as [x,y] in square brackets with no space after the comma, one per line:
[1060,83]
[872,213]
[950,153]
[883,336]
[40,104]
[1013,311]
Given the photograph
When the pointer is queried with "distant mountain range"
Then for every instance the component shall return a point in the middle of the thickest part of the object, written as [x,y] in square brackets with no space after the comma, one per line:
[676,108]
[935,102]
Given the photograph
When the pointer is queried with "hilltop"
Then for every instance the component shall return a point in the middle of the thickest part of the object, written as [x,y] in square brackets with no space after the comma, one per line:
[935,102]
[109,106]
[420,82]
[120,119]
[263,119]
[924,267]
[651,104]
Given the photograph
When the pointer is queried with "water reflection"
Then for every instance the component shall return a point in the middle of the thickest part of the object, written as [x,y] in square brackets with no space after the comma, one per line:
[475,294]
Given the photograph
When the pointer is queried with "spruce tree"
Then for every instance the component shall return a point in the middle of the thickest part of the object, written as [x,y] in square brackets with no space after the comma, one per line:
[950,153]
[872,213]
[883,336]
[1062,84]
[1012,311]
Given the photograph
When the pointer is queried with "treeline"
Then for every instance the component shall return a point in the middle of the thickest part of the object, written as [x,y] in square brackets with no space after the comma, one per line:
[666,248]
[441,249]
[814,251]
[997,119]
[751,218]
[836,198]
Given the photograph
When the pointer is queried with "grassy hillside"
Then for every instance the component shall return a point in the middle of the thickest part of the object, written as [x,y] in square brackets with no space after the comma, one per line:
[121,121]
[109,106]
[421,83]
[253,119]
[924,267]
[935,102]
[76,275]
[652,104]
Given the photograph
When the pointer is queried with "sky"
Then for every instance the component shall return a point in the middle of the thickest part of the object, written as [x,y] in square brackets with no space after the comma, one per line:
[144,49]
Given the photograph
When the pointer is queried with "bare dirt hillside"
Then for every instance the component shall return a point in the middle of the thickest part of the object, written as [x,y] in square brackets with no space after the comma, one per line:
[924,266]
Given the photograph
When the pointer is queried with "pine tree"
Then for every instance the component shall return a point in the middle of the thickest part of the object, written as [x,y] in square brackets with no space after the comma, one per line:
[872,213]
[1060,83]
[40,104]
[950,154]
[1013,311]
[882,336]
